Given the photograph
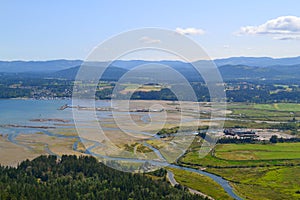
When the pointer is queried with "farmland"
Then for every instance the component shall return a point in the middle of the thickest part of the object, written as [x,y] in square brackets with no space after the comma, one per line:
[253,170]
[265,112]
[258,151]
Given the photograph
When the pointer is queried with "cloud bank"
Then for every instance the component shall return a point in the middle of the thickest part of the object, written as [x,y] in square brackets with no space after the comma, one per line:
[282,28]
[190,31]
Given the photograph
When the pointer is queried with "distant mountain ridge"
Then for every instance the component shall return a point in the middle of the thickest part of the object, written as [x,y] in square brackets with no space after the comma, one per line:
[37,66]
[239,72]
[56,65]
[257,61]
[230,68]
[228,72]
[111,73]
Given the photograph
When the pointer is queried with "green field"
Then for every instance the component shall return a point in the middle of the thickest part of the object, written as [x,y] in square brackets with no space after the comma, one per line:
[267,112]
[138,87]
[200,183]
[130,86]
[292,107]
[264,182]
[210,161]
[258,151]
[245,155]
[256,171]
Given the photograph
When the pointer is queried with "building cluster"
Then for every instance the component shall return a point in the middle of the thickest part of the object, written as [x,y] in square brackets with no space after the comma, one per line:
[240,133]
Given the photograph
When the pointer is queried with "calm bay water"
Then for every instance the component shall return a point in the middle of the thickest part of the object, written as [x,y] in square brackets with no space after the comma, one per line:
[20,112]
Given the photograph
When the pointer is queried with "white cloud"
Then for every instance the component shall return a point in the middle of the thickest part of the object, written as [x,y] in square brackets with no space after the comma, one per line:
[283,28]
[190,31]
[149,40]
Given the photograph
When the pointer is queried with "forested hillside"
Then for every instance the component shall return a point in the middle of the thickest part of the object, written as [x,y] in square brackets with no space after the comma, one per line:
[81,178]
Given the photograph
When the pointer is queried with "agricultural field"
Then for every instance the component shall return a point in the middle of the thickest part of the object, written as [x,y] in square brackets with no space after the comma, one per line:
[129,88]
[200,183]
[262,182]
[245,155]
[292,107]
[265,112]
[255,171]
[258,151]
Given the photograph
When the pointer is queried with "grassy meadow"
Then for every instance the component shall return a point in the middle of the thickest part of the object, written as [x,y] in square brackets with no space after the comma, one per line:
[200,183]
[258,151]
[254,170]
[264,112]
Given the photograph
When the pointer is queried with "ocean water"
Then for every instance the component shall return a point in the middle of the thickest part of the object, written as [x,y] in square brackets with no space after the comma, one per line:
[20,112]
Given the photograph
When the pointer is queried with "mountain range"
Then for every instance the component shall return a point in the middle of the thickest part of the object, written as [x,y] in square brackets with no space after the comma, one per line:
[230,68]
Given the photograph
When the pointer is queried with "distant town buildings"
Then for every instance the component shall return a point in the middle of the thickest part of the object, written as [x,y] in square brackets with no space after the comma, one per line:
[240,133]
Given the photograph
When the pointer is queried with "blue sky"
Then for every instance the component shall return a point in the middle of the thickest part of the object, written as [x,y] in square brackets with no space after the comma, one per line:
[44,30]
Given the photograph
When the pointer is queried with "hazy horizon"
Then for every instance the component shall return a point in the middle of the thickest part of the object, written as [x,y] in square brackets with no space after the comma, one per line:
[57,59]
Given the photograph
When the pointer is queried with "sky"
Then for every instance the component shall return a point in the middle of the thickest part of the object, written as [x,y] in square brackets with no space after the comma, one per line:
[65,29]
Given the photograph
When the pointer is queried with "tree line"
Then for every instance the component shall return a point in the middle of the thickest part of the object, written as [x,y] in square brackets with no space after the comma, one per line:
[254,92]
[84,177]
